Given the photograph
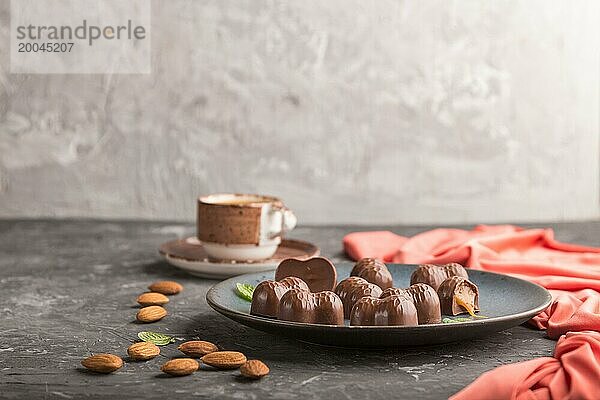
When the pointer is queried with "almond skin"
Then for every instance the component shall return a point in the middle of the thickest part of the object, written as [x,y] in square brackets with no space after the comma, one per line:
[254,369]
[151,314]
[152,299]
[180,366]
[143,351]
[197,348]
[166,287]
[103,363]
[224,359]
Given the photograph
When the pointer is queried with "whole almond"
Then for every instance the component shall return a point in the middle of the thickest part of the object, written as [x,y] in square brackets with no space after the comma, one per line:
[143,351]
[166,287]
[224,359]
[197,348]
[103,363]
[151,314]
[180,366]
[254,369]
[152,299]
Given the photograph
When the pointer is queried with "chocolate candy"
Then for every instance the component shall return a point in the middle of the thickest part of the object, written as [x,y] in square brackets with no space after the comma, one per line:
[267,294]
[354,288]
[374,271]
[425,299]
[458,295]
[396,310]
[314,308]
[393,292]
[434,275]
[318,272]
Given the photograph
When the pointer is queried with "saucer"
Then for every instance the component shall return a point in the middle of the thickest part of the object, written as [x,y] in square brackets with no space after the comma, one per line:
[189,255]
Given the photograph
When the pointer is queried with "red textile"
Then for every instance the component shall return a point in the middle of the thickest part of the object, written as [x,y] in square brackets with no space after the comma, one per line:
[570,272]
[384,244]
[573,373]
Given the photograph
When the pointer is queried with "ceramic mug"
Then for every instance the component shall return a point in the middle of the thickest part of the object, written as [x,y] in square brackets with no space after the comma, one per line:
[242,227]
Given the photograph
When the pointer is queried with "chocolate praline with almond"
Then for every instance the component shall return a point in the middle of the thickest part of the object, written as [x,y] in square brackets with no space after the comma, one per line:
[425,299]
[458,296]
[354,288]
[433,274]
[373,271]
[267,294]
[314,308]
[394,310]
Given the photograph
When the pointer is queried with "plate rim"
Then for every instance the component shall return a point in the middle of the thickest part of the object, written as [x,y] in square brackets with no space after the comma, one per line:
[302,325]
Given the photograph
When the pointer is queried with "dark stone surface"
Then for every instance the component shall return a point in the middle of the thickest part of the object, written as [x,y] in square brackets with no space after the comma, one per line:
[68,289]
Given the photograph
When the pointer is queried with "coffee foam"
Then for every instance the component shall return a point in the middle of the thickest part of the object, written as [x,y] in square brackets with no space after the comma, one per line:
[235,199]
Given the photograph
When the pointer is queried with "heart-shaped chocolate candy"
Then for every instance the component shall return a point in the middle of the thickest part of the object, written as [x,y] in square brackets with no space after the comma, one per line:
[424,298]
[373,271]
[396,310]
[265,300]
[318,272]
[433,275]
[354,288]
[314,308]
[458,295]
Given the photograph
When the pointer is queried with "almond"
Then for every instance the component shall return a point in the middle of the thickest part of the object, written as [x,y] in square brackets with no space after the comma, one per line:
[152,299]
[254,369]
[197,348]
[180,366]
[224,359]
[151,314]
[143,351]
[166,287]
[103,363]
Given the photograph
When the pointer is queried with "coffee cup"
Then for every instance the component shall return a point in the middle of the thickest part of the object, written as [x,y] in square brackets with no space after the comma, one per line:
[242,227]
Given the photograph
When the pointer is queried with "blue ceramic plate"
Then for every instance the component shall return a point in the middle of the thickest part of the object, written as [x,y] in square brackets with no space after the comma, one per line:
[505,300]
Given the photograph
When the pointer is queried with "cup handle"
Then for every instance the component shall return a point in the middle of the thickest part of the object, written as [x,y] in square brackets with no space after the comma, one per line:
[288,221]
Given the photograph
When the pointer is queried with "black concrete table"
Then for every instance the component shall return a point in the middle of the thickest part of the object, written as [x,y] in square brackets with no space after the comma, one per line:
[68,289]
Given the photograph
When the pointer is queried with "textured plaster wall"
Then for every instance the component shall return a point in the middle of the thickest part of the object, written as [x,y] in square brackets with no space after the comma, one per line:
[352,111]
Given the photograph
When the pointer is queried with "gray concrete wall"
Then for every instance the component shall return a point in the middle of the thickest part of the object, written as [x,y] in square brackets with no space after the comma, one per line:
[353,112]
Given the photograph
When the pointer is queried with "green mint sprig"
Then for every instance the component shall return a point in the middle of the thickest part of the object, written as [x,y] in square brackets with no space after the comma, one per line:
[462,319]
[158,339]
[245,291]
[455,320]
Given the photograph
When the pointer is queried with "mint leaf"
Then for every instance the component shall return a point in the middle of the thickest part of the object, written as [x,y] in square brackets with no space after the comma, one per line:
[245,291]
[158,339]
[455,320]
[449,321]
